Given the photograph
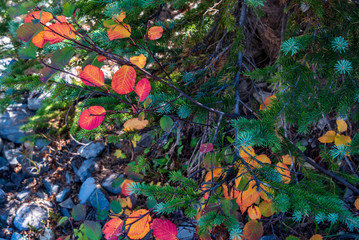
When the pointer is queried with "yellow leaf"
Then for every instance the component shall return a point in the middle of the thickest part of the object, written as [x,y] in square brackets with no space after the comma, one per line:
[118,153]
[137,224]
[248,197]
[316,237]
[287,159]
[356,203]
[328,137]
[261,158]
[139,61]
[265,190]
[134,123]
[246,152]
[266,208]
[119,18]
[254,212]
[284,171]
[216,173]
[341,140]
[119,31]
[342,125]
[233,193]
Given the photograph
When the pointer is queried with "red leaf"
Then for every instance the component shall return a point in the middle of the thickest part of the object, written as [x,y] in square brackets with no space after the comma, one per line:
[155,32]
[92,118]
[143,89]
[58,32]
[92,76]
[123,81]
[124,187]
[206,147]
[45,17]
[101,58]
[113,229]
[164,229]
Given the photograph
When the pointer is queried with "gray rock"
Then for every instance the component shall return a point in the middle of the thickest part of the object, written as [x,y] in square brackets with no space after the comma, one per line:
[51,188]
[61,196]
[30,214]
[17,236]
[99,201]
[145,142]
[7,213]
[17,178]
[2,182]
[86,168]
[268,237]
[34,102]
[3,196]
[65,212]
[185,232]
[68,203]
[3,164]
[23,195]
[41,143]
[47,203]
[48,235]
[92,150]
[86,189]
[13,156]
[14,117]
[107,184]
[69,178]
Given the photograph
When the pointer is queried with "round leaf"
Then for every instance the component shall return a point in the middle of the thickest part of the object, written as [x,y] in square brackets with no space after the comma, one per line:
[92,118]
[155,32]
[206,147]
[78,212]
[166,123]
[113,229]
[92,230]
[164,229]
[137,224]
[139,61]
[253,230]
[143,89]
[125,187]
[92,76]
[123,81]
[116,207]
[119,31]
[45,17]
[27,30]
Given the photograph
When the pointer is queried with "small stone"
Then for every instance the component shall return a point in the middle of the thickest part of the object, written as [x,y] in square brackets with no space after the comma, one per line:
[145,142]
[40,144]
[17,236]
[10,187]
[87,167]
[107,184]
[2,182]
[30,214]
[65,212]
[92,150]
[47,203]
[23,195]
[61,196]
[48,235]
[99,201]
[3,196]
[17,178]
[34,102]
[185,231]
[69,178]
[50,187]
[86,189]
[68,203]
[12,156]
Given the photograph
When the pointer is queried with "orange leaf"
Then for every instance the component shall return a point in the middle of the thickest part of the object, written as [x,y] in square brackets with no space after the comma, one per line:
[164,229]
[124,187]
[342,125]
[137,224]
[248,197]
[38,40]
[286,159]
[125,202]
[143,89]
[101,58]
[123,81]
[217,172]
[58,32]
[119,31]
[261,158]
[139,61]
[356,203]
[45,17]
[119,18]
[113,229]
[284,171]
[316,237]
[267,208]
[341,140]
[254,212]
[267,102]
[247,152]
[134,123]
[253,230]
[155,32]
[92,76]
[328,137]
[233,194]
[92,117]
[264,191]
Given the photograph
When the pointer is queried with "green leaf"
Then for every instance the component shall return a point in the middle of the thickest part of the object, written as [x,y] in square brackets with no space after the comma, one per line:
[97,63]
[92,230]
[28,52]
[27,30]
[46,73]
[116,207]
[68,9]
[147,102]
[28,4]
[62,57]
[166,123]
[78,212]
[118,182]
[17,10]
[62,220]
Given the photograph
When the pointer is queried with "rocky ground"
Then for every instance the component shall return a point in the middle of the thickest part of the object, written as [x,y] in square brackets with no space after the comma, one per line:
[41,183]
